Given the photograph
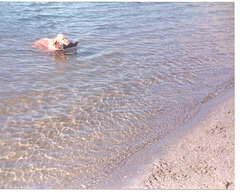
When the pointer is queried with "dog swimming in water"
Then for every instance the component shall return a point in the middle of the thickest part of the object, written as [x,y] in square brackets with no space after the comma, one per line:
[60,42]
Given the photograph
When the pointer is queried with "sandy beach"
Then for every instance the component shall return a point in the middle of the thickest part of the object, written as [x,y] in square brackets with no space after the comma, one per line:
[198,155]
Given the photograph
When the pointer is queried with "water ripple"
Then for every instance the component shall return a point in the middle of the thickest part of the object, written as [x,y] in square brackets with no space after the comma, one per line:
[69,119]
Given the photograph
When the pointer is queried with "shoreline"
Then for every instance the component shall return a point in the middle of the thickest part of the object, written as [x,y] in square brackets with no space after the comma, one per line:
[197,155]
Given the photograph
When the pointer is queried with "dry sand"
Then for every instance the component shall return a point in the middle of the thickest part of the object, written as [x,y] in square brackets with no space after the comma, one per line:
[198,155]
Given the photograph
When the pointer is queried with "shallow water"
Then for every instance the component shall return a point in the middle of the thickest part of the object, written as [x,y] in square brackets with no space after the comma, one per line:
[142,69]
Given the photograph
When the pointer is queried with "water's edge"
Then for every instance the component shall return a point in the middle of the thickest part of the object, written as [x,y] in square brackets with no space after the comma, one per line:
[220,94]
[133,169]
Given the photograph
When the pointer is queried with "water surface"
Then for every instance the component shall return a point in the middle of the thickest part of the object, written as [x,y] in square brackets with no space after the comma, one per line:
[142,69]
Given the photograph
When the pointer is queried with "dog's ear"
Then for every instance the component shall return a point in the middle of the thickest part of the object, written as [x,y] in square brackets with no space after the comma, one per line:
[56,44]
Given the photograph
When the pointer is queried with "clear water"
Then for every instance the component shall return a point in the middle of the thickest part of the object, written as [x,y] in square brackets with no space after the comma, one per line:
[142,69]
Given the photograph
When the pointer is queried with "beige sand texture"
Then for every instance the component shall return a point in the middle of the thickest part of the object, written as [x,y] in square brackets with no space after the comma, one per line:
[204,159]
[199,155]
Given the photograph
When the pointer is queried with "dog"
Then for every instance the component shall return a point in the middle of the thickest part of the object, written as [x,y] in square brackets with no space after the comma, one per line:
[60,42]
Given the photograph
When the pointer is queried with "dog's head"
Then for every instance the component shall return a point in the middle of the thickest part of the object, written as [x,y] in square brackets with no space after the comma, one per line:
[62,43]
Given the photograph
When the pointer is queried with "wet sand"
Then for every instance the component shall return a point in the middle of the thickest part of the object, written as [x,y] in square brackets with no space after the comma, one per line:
[198,155]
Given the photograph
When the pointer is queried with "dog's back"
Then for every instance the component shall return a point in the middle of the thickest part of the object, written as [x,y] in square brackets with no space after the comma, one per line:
[42,43]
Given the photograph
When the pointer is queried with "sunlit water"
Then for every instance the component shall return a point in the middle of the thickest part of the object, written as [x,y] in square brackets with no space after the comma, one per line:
[67,120]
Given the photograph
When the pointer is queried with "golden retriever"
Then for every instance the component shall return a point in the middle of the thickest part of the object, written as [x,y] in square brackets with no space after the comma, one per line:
[60,42]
